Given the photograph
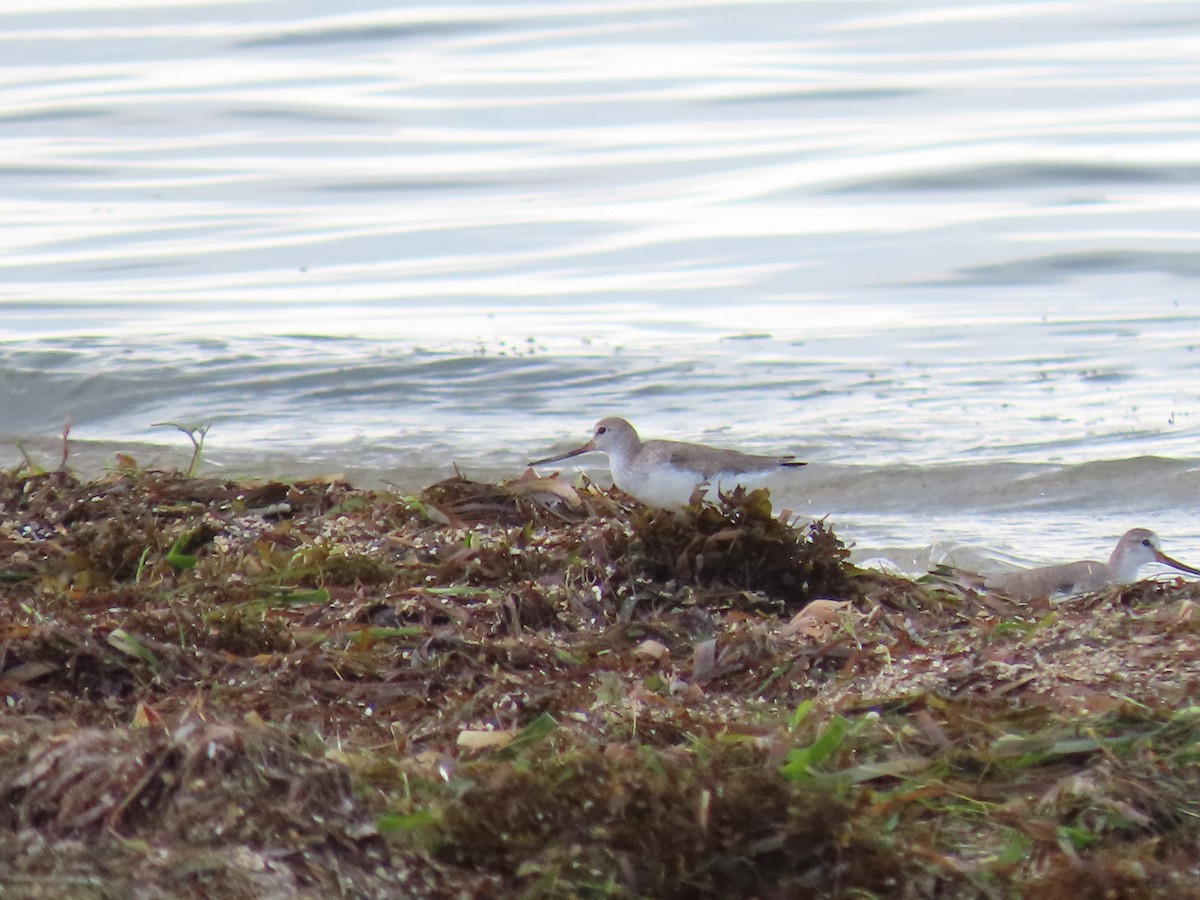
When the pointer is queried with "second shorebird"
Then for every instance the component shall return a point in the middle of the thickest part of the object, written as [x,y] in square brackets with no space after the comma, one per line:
[1136,548]
[665,473]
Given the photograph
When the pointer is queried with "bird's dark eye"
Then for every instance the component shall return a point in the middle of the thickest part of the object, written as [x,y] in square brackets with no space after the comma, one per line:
[1146,543]
[601,430]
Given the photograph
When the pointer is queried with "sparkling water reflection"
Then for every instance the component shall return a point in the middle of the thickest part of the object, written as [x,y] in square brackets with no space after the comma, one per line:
[891,238]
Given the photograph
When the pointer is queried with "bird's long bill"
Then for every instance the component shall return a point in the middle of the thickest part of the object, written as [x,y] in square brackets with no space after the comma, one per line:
[576,452]
[1174,563]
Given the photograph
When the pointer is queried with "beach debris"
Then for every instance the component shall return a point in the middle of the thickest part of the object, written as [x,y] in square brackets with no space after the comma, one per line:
[356,694]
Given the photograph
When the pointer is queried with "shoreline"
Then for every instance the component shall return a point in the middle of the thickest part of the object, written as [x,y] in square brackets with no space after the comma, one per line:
[992,517]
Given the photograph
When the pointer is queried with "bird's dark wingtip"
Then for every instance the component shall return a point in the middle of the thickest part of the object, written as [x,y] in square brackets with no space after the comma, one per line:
[792,464]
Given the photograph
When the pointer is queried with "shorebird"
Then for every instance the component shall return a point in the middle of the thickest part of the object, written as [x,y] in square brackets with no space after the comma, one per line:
[665,473]
[1136,548]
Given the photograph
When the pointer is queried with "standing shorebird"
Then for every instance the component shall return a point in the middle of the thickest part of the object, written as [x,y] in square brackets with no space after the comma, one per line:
[1136,548]
[665,473]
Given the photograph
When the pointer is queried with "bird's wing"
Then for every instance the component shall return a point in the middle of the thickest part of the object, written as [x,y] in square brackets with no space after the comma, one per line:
[1046,581]
[729,462]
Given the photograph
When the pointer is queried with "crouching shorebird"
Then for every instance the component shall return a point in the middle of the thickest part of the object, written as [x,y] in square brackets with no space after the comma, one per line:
[1136,548]
[665,473]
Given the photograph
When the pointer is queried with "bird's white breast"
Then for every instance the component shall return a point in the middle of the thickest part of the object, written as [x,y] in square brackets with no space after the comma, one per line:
[669,487]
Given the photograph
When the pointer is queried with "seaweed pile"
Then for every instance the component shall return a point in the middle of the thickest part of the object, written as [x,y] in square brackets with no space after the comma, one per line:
[248,689]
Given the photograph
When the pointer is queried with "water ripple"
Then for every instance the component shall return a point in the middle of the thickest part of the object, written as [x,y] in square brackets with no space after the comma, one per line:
[928,235]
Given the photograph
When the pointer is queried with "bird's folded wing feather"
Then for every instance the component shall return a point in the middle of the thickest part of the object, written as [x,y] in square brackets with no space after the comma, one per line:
[1047,581]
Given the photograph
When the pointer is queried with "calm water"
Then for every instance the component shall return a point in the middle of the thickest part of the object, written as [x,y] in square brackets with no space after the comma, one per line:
[947,252]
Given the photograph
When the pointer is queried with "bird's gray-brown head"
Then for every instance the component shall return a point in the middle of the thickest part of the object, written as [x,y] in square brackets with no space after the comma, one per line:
[614,436]
[1136,548]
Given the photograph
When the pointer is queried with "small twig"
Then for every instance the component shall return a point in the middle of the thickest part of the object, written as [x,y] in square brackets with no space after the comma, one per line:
[66,446]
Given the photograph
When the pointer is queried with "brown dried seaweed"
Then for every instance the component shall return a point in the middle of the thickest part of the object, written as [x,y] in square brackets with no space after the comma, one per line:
[303,689]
